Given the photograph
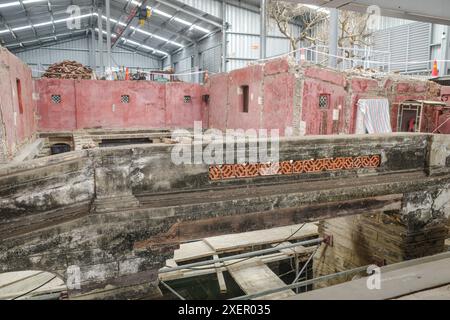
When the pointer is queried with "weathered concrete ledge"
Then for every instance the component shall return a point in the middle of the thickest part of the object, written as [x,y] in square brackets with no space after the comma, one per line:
[49,219]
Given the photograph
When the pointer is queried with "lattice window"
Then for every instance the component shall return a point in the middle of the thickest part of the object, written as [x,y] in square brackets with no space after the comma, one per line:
[56,98]
[324,101]
[187,99]
[125,98]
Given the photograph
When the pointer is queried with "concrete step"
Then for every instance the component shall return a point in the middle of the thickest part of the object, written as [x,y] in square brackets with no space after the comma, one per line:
[114,204]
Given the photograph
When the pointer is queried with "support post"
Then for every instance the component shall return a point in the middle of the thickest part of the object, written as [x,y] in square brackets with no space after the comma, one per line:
[263,34]
[108,35]
[196,66]
[333,37]
[93,50]
[443,66]
[224,36]
[100,41]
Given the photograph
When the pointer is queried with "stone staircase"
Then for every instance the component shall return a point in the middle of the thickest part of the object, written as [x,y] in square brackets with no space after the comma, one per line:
[45,150]
[113,204]
[82,139]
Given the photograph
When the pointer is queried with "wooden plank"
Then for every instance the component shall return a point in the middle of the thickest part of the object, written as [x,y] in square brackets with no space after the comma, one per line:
[397,280]
[233,242]
[24,282]
[254,276]
[192,250]
[171,263]
[220,278]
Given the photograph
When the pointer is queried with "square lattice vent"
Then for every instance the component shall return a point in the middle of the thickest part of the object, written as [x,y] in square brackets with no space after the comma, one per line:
[56,98]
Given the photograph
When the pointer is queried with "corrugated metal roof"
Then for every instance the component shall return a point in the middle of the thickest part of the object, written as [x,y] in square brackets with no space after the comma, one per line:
[173,24]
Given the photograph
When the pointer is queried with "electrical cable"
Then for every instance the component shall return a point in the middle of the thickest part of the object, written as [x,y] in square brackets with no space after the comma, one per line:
[40,286]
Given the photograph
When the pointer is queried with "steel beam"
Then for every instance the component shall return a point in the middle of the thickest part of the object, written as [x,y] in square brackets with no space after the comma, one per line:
[443,68]
[108,34]
[130,21]
[100,40]
[263,31]
[224,36]
[173,6]
[333,37]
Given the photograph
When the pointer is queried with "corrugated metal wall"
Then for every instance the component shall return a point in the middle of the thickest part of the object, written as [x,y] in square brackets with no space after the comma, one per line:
[407,43]
[243,40]
[39,59]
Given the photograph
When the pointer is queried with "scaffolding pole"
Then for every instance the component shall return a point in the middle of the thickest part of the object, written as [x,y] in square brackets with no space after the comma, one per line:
[300,284]
[242,255]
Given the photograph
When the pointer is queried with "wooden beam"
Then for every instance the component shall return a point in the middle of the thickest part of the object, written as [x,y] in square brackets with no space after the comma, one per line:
[220,278]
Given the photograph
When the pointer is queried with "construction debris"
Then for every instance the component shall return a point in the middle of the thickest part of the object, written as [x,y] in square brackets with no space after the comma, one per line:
[68,70]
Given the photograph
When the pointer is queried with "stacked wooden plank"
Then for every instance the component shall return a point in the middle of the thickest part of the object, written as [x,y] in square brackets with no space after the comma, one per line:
[252,275]
[372,239]
[68,70]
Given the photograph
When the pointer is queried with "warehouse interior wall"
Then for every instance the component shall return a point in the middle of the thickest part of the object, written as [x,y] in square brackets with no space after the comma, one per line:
[39,59]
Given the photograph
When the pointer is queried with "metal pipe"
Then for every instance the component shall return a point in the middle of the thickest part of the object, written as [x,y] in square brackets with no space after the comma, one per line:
[93,50]
[263,32]
[108,35]
[224,37]
[305,266]
[100,40]
[173,291]
[242,255]
[300,284]
[334,26]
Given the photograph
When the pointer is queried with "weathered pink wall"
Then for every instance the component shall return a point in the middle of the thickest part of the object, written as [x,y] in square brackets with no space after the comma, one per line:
[95,104]
[323,82]
[279,97]
[403,90]
[218,101]
[271,95]
[16,128]
[56,116]
[181,114]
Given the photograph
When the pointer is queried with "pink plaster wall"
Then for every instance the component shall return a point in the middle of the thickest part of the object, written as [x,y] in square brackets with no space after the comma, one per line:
[18,127]
[97,104]
[320,121]
[275,93]
[56,116]
[218,101]
[252,77]
[271,97]
[181,114]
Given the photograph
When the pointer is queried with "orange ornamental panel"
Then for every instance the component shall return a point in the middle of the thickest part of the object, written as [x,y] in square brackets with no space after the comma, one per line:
[250,170]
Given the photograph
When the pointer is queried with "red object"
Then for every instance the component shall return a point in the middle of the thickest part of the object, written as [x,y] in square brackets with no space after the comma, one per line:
[127,74]
[435,71]
[411,125]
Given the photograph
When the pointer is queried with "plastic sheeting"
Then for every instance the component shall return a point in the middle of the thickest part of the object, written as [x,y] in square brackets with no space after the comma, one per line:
[373,116]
